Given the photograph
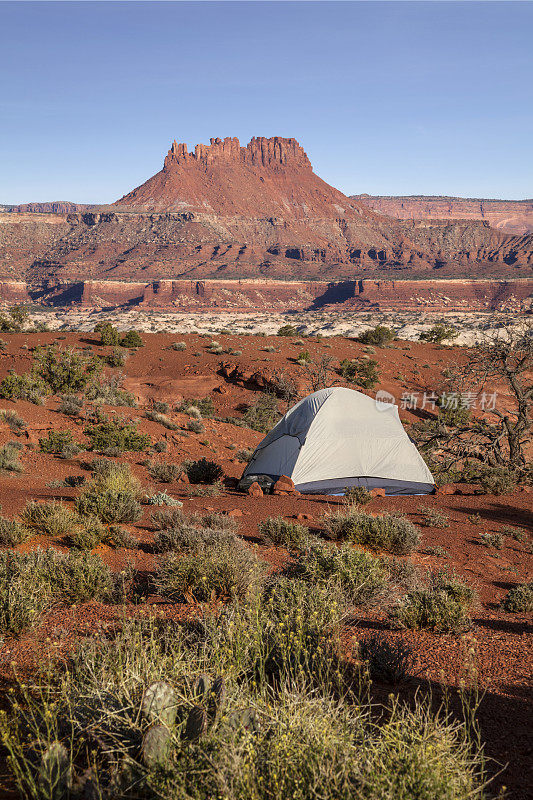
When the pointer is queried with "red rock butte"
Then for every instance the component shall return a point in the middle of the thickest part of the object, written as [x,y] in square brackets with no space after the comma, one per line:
[267,177]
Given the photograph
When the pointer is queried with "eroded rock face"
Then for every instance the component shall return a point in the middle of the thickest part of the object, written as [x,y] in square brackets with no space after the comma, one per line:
[510,216]
[259,211]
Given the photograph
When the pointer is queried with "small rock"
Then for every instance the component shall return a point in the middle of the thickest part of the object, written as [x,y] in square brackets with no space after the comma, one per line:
[254,490]
[235,512]
[447,488]
[377,492]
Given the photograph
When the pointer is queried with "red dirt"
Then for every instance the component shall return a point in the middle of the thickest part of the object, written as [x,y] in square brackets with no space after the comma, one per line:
[503,642]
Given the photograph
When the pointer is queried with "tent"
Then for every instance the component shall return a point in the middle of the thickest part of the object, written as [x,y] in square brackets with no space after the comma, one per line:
[337,438]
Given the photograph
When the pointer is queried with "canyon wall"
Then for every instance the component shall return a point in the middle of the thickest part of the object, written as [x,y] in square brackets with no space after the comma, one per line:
[510,216]
[514,296]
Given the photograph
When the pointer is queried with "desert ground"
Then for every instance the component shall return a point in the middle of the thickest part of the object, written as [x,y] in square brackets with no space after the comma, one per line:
[215,357]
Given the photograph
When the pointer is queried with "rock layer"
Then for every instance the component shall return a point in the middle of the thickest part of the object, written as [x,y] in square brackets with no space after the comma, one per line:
[510,216]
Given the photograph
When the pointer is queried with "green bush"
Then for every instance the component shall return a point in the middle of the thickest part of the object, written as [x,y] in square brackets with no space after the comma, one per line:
[109,391]
[9,459]
[497,480]
[362,372]
[357,496]
[225,569]
[17,317]
[71,405]
[439,333]
[519,599]
[362,578]
[116,434]
[263,414]
[378,336]
[31,583]
[163,472]
[23,387]
[50,518]
[281,532]
[433,518]
[65,371]
[15,422]
[12,532]
[109,335]
[58,442]
[265,745]
[116,358]
[494,540]
[203,471]
[386,532]
[131,339]
[287,330]
[111,495]
[442,607]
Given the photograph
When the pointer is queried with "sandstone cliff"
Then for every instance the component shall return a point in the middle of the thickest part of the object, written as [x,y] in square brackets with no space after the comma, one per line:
[511,216]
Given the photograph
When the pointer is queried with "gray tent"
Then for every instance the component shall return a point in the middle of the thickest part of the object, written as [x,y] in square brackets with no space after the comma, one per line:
[337,438]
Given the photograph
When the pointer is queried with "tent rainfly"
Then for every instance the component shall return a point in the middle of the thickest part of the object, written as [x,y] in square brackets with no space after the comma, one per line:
[337,438]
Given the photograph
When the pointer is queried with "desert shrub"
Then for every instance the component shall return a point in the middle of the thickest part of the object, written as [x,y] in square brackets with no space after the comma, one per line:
[439,333]
[109,335]
[387,661]
[287,330]
[12,532]
[362,372]
[386,532]
[116,358]
[378,336]
[475,519]
[304,357]
[497,480]
[202,471]
[282,532]
[160,447]
[178,346]
[109,391]
[160,407]
[204,489]
[357,496]
[518,534]
[226,569]
[266,745]
[89,534]
[442,607]
[179,531]
[51,518]
[59,443]
[15,422]
[23,387]
[9,459]
[16,319]
[120,537]
[195,426]
[244,455]
[438,551]
[161,499]
[163,472]
[494,540]
[111,495]
[202,406]
[162,419]
[362,578]
[71,405]
[433,518]
[131,339]
[454,416]
[263,414]
[65,371]
[31,583]
[118,434]
[519,599]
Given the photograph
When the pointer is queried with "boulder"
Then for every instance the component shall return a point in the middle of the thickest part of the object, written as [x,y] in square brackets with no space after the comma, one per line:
[254,490]
[377,492]
[284,485]
[446,488]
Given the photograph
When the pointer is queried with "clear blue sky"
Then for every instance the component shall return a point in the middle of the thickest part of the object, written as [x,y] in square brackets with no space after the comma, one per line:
[386,98]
